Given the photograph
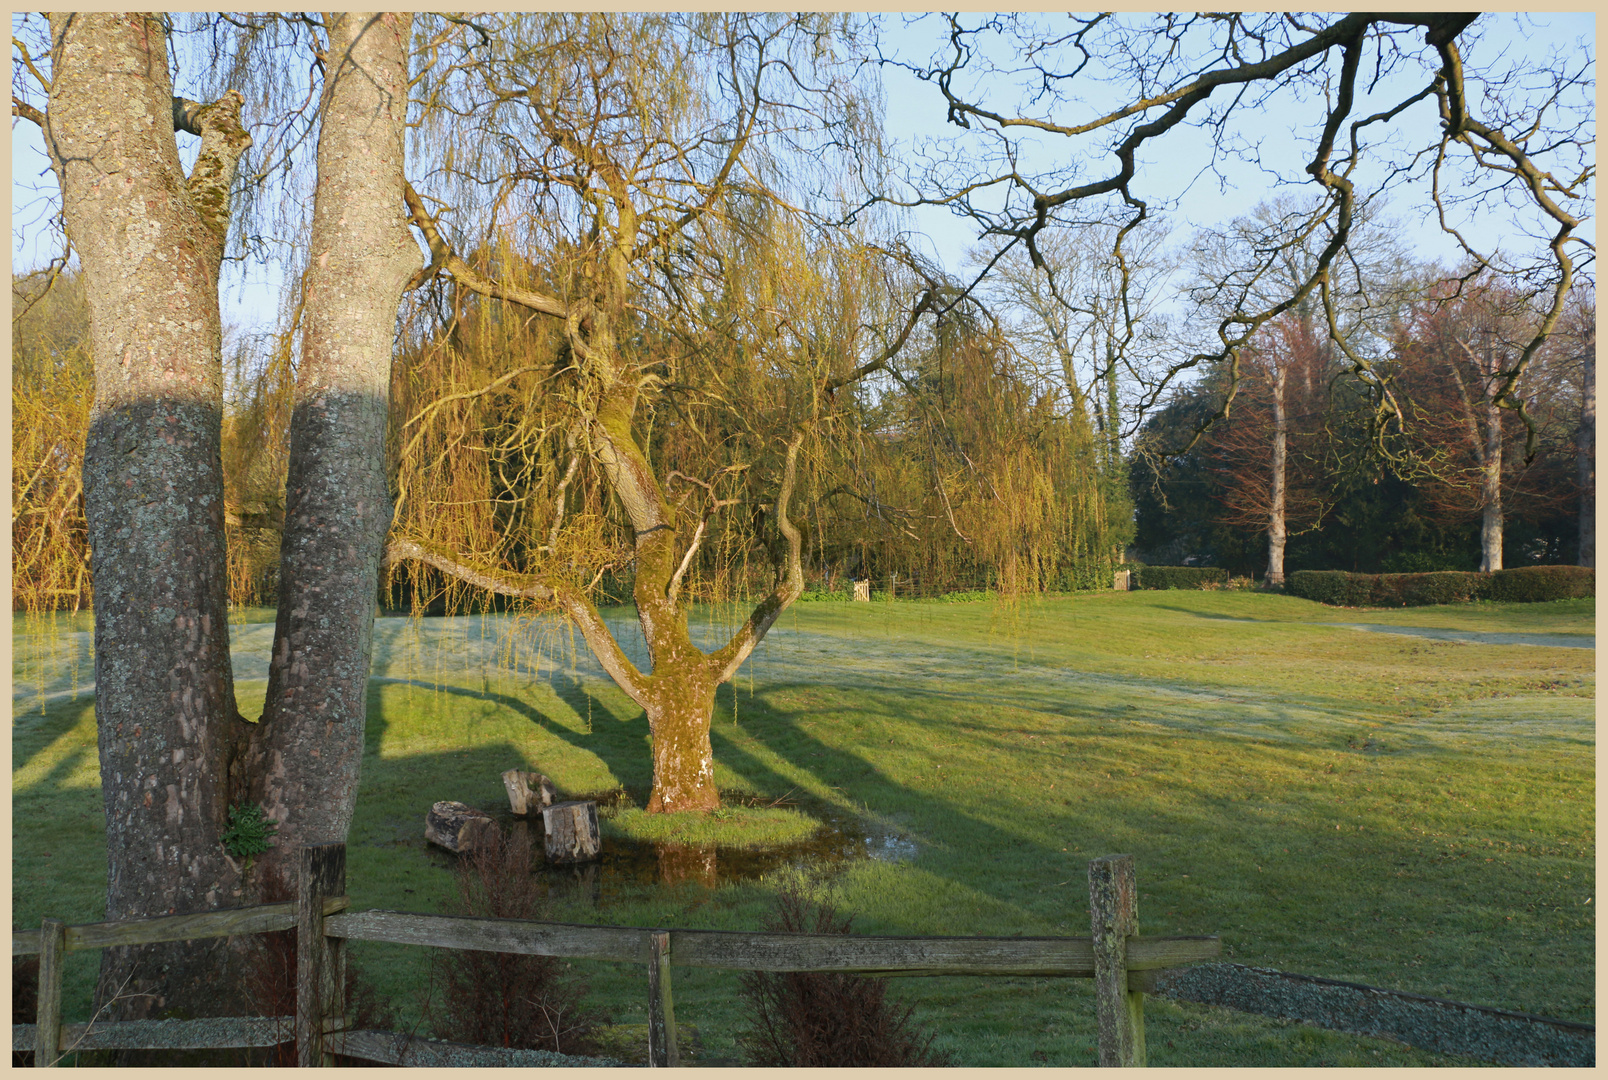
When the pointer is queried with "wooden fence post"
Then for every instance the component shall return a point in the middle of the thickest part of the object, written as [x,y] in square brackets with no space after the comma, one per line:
[1113,918]
[52,947]
[662,1050]
[320,960]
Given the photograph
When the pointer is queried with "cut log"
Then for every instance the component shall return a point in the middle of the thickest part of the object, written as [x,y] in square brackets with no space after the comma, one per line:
[572,833]
[459,828]
[528,792]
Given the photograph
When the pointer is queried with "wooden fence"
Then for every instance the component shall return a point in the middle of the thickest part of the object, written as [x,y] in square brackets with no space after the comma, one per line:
[1123,965]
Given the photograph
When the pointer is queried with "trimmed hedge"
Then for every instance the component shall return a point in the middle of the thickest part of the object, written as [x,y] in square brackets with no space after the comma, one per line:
[1525,584]
[1531,584]
[1178,577]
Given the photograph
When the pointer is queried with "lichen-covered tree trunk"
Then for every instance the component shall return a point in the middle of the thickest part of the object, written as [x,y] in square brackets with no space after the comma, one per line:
[303,760]
[680,708]
[150,241]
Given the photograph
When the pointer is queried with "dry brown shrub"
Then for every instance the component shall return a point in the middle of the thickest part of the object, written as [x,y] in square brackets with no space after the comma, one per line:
[807,1019]
[504,999]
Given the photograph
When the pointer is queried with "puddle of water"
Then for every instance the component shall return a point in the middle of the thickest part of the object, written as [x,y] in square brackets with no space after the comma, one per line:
[628,867]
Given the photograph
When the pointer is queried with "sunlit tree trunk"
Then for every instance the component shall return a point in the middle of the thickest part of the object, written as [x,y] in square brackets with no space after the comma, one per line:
[302,766]
[1278,456]
[1491,478]
[150,242]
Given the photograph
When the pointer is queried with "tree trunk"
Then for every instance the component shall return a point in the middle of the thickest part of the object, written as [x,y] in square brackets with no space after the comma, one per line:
[150,242]
[1491,484]
[302,765]
[1586,454]
[680,708]
[1276,533]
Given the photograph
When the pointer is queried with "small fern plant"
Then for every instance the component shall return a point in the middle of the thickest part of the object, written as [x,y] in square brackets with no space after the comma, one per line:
[249,832]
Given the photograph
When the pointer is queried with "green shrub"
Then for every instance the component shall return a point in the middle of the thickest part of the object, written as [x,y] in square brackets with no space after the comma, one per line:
[1095,574]
[1536,584]
[815,596]
[965,596]
[1525,584]
[1179,577]
[1425,562]
[1336,587]
[1419,590]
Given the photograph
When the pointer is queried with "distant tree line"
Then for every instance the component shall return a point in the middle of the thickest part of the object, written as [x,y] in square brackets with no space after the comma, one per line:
[1296,477]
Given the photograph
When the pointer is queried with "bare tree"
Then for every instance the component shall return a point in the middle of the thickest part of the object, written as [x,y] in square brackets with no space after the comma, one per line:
[1512,139]
[1248,266]
[1455,347]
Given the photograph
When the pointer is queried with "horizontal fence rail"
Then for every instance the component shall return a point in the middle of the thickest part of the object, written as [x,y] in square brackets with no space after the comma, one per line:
[739,950]
[228,922]
[1124,965]
[204,1034]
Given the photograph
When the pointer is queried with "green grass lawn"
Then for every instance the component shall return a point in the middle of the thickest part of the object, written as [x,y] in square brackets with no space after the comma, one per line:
[1409,813]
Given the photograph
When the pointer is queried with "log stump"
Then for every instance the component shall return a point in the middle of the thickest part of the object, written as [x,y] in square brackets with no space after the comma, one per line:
[572,832]
[458,827]
[528,792]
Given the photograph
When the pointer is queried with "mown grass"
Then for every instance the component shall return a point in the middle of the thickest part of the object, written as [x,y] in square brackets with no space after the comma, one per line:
[1408,813]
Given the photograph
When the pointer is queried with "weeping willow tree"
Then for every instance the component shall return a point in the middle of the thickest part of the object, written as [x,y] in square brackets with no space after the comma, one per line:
[52,388]
[964,470]
[52,391]
[619,148]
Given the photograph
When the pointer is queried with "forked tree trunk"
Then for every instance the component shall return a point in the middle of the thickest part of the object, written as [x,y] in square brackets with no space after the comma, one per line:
[302,765]
[678,692]
[150,242]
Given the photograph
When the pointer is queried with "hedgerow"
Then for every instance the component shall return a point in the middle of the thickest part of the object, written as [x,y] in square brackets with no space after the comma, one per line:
[1525,584]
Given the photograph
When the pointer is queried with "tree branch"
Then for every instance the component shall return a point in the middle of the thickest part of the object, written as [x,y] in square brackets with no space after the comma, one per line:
[442,257]
[21,108]
[574,604]
[725,661]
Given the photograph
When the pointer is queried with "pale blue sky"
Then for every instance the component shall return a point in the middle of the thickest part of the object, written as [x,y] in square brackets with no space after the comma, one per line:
[915,112]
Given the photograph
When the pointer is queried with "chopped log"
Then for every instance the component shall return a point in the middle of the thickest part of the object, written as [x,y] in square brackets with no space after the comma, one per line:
[458,828]
[528,791]
[572,833]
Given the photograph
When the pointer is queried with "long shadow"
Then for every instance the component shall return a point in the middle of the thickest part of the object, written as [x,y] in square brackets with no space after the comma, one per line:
[610,739]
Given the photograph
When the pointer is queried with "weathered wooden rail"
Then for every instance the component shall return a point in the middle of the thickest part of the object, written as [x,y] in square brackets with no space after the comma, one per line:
[1123,965]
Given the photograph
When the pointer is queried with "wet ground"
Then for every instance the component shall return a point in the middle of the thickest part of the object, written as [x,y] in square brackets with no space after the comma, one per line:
[628,868]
